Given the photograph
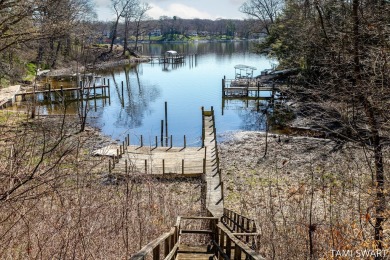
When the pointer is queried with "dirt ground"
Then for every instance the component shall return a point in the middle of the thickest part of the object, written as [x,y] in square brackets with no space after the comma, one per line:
[304,189]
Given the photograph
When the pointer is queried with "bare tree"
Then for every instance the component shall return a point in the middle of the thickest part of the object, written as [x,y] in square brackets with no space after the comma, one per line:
[122,9]
[140,15]
[343,87]
[266,11]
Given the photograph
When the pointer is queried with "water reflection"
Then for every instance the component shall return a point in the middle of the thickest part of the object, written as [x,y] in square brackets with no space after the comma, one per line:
[137,108]
[130,100]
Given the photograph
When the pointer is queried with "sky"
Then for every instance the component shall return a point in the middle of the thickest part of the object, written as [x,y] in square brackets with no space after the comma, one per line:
[186,9]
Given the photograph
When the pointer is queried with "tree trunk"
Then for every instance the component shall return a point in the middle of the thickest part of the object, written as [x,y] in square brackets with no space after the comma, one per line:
[114,33]
[125,41]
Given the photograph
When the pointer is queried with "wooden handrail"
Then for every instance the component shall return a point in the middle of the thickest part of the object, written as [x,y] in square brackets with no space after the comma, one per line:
[171,245]
[219,251]
[226,237]
[239,224]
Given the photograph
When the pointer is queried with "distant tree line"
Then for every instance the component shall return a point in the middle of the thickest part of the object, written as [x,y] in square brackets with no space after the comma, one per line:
[46,34]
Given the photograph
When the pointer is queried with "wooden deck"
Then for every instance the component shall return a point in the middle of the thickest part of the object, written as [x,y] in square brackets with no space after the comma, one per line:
[156,160]
[185,161]
[245,87]
[61,90]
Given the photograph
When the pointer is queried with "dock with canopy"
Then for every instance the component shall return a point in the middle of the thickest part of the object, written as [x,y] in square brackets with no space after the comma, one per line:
[244,71]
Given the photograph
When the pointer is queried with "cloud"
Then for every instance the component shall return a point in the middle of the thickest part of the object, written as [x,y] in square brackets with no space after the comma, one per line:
[179,10]
[237,2]
[102,3]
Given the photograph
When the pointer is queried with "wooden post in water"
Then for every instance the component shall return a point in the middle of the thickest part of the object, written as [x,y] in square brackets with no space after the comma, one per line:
[203,126]
[166,123]
[171,142]
[162,133]
[156,141]
[94,96]
[109,92]
[142,141]
[185,141]
[223,86]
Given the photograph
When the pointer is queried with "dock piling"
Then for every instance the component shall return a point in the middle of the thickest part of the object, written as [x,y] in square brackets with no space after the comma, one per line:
[162,133]
[166,123]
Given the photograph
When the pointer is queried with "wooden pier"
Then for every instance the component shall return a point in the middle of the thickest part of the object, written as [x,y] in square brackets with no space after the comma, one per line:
[250,87]
[62,91]
[171,59]
[167,60]
[232,236]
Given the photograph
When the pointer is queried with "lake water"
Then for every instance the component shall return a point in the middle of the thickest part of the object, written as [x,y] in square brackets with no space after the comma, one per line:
[185,87]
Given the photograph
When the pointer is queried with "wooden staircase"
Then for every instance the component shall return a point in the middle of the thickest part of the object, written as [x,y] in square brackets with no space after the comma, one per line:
[226,234]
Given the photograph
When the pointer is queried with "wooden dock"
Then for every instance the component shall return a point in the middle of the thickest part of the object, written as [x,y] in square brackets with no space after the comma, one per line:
[187,162]
[214,184]
[250,87]
[61,91]
[231,235]
[167,60]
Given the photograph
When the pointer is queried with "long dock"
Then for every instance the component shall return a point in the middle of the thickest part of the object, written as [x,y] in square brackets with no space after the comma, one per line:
[60,90]
[232,236]
[214,184]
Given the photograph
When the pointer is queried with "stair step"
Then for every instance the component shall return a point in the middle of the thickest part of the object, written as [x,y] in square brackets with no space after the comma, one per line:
[186,252]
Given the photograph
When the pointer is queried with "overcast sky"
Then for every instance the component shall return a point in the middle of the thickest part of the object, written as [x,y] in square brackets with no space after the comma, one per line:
[203,9]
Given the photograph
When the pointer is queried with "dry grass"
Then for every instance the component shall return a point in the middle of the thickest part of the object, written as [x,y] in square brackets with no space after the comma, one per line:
[304,186]
[64,209]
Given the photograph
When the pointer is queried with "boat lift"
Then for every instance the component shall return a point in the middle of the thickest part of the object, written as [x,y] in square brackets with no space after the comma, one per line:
[244,71]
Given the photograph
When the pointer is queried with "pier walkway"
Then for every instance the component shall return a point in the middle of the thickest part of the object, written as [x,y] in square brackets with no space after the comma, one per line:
[230,235]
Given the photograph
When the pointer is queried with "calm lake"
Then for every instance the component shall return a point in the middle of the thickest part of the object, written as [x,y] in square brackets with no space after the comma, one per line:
[185,87]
